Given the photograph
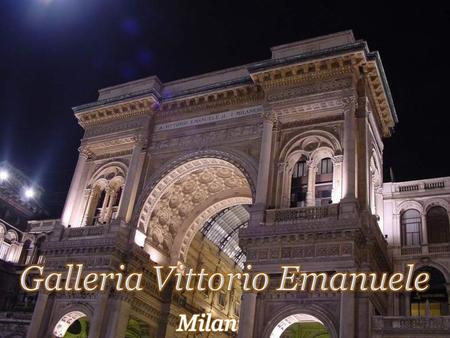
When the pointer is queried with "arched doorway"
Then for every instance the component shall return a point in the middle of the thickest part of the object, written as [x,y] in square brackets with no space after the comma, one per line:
[434,301]
[300,326]
[191,218]
[182,200]
[73,324]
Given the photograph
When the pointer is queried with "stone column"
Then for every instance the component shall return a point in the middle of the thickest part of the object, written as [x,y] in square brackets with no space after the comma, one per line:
[282,200]
[247,315]
[336,193]
[112,201]
[424,238]
[448,294]
[96,323]
[91,204]
[407,304]
[103,212]
[347,315]
[264,158]
[362,114]
[349,191]
[119,311]
[262,185]
[72,196]
[41,317]
[311,192]
[379,208]
[132,181]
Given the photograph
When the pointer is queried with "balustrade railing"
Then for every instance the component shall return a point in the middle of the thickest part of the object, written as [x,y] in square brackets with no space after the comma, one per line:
[43,225]
[439,248]
[85,231]
[415,186]
[406,325]
[291,215]
[411,250]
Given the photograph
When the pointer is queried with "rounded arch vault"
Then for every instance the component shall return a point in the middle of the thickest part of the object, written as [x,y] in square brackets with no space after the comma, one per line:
[181,202]
[66,321]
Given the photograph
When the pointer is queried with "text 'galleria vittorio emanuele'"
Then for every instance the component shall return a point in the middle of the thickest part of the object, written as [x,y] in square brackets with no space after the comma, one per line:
[278,162]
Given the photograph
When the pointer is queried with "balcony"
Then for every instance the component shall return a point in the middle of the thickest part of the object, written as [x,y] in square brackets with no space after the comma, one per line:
[411,326]
[419,185]
[411,250]
[45,225]
[85,231]
[441,248]
[292,215]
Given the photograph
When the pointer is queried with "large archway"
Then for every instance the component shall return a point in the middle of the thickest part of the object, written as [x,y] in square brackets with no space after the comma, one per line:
[300,326]
[303,321]
[183,200]
[73,324]
[435,300]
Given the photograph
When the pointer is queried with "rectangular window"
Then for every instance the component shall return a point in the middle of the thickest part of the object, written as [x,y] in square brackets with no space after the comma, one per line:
[222,299]
[326,166]
[299,169]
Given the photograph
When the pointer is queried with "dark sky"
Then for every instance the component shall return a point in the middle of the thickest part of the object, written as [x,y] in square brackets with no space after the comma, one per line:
[55,54]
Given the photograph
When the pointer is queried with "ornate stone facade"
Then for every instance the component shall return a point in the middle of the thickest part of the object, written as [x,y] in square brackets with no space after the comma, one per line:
[282,158]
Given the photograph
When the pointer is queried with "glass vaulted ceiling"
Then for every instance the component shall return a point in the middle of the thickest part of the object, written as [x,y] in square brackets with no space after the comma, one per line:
[223,230]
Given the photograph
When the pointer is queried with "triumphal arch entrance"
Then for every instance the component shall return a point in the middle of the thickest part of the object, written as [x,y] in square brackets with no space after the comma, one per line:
[278,162]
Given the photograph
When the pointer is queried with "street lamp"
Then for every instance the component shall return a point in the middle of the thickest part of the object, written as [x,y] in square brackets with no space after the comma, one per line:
[3,175]
[29,193]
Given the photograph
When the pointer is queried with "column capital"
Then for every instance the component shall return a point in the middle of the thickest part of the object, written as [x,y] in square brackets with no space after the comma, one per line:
[269,116]
[141,141]
[85,152]
[362,109]
[349,103]
[337,159]
[312,164]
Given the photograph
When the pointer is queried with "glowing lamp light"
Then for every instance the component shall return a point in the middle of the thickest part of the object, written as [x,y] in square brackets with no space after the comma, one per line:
[29,193]
[3,175]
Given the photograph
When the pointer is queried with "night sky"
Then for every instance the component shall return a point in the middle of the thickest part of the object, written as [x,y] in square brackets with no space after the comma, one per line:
[56,54]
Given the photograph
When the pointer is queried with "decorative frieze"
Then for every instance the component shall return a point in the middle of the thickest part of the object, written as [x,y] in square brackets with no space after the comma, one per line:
[200,140]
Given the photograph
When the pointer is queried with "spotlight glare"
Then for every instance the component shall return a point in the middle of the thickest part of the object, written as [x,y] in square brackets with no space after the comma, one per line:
[29,193]
[3,175]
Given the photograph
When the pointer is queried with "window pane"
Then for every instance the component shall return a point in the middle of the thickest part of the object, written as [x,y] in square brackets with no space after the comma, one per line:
[411,223]
[438,228]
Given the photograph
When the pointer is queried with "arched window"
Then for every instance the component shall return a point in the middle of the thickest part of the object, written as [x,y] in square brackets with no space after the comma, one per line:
[411,223]
[434,301]
[104,197]
[299,184]
[438,227]
[324,182]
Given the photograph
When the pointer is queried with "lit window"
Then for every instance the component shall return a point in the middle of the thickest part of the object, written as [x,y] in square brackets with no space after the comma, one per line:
[411,223]
[324,182]
[434,301]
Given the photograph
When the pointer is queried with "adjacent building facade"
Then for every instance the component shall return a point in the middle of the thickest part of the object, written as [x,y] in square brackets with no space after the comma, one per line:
[274,163]
[19,202]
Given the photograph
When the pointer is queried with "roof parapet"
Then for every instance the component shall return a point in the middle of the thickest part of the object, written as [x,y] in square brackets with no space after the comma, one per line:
[151,83]
[313,45]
